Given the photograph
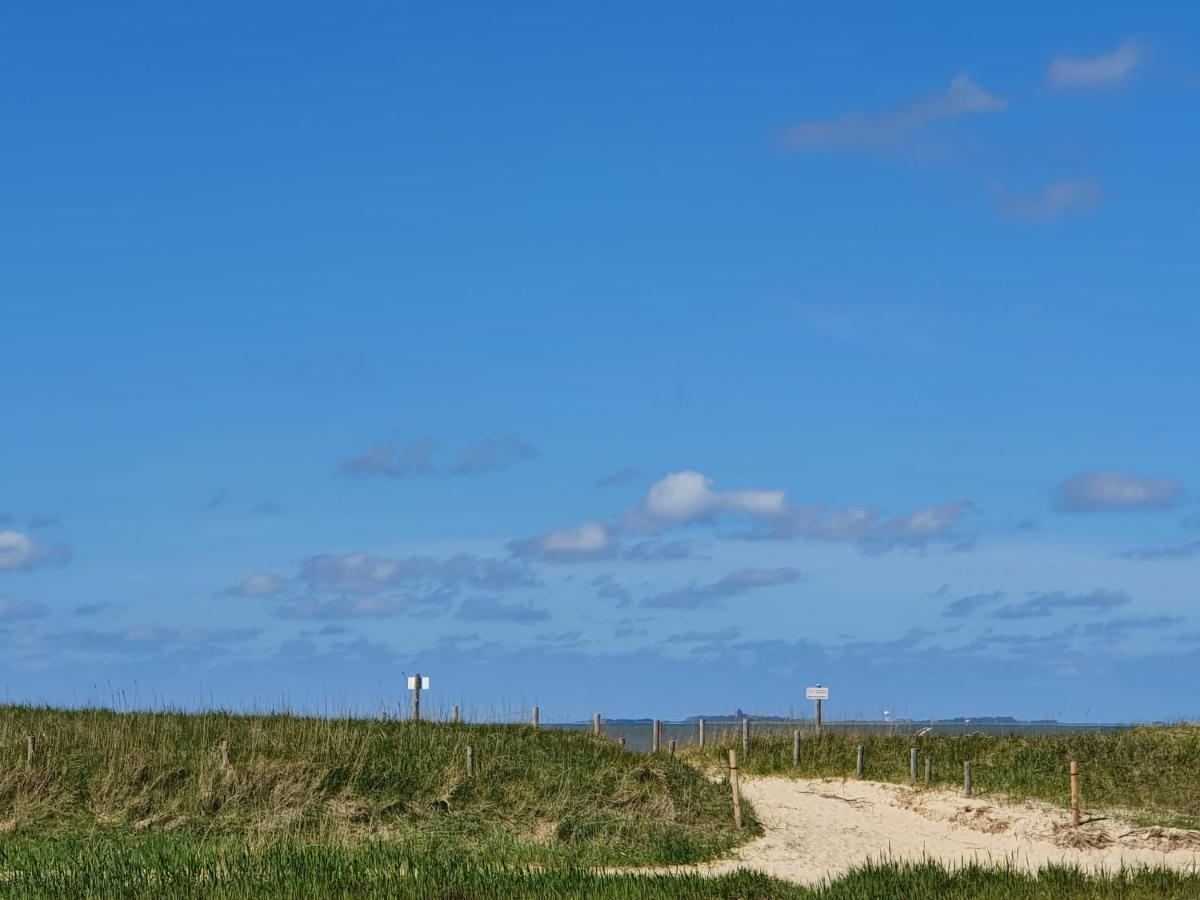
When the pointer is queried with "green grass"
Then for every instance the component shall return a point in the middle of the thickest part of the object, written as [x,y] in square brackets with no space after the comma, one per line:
[1152,774]
[162,865]
[536,796]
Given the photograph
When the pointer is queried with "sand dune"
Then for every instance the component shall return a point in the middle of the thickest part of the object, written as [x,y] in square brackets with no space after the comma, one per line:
[817,829]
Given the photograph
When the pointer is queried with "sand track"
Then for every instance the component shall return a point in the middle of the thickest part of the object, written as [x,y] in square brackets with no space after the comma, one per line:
[817,829]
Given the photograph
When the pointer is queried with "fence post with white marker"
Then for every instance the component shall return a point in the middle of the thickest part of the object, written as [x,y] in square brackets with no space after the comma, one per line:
[817,693]
[416,684]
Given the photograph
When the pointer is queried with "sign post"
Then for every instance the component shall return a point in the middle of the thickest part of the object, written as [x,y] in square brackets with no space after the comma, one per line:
[416,684]
[817,693]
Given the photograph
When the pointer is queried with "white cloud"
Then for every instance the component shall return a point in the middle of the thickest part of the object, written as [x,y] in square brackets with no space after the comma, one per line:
[260,584]
[1109,489]
[890,126]
[589,541]
[20,551]
[1068,197]
[732,585]
[1094,71]
[685,497]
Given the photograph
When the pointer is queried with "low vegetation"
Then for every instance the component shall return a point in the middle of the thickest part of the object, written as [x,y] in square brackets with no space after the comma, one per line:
[535,797]
[158,865]
[1147,773]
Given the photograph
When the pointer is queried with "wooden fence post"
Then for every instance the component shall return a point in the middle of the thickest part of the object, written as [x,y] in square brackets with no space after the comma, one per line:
[746,738]
[912,764]
[967,779]
[737,793]
[655,736]
[224,754]
[533,717]
[454,713]
[928,769]
[470,760]
[858,761]
[671,749]
[796,747]
[597,727]
[30,749]
[621,741]
[701,734]
[1074,794]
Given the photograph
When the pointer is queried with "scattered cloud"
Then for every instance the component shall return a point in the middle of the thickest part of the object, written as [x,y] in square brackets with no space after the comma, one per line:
[364,573]
[714,594]
[687,497]
[965,606]
[1105,70]
[493,453]
[381,606]
[658,551]
[391,460]
[84,610]
[260,584]
[1181,551]
[1109,489]
[1066,197]
[621,476]
[728,633]
[12,610]
[590,541]
[846,523]
[1042,605]
[1121,627]
[916,529]
[608,589]
[19,552]
[481,609]
[891,126]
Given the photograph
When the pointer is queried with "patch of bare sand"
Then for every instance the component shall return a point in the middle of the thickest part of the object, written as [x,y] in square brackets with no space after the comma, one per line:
[817,829]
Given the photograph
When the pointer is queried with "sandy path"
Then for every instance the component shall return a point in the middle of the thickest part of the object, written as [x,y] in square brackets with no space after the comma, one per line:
[816,829]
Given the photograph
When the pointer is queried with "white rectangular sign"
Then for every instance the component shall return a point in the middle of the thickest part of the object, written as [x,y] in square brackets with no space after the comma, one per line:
[816,693]
[412,683]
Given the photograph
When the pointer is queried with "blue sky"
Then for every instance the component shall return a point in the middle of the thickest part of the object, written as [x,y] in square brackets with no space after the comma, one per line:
[655,361]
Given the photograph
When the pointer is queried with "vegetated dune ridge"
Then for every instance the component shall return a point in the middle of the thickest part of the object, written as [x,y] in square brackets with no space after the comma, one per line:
[817,829]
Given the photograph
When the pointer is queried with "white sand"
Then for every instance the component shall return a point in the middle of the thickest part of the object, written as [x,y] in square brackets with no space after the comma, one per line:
[817,829]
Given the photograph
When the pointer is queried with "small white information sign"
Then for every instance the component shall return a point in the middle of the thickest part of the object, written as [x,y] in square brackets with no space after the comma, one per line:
[816,693]
[412,683]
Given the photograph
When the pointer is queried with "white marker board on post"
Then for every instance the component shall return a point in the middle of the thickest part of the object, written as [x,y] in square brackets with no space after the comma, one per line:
[816,693]
[412,683]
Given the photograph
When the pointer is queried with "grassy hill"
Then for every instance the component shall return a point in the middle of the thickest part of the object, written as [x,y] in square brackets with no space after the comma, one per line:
[535,796]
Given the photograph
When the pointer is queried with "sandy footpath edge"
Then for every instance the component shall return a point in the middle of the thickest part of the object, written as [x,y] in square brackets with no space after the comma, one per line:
[818,828]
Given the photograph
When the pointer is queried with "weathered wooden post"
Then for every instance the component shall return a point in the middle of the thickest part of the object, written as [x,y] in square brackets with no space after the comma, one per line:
[224,754]
[671,749]
[533,717]
[655,736]
[1074,794]
[928,769]
[967,779]
[912,764]
[454,713]
[701,734]
[796,747]
[621,741]
[746,738]
[737,793]
[470,760]
[416,684]
[30,749]
[858,761]
[597,726]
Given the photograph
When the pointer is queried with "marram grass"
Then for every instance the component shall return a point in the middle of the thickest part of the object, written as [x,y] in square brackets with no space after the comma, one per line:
[536,796]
